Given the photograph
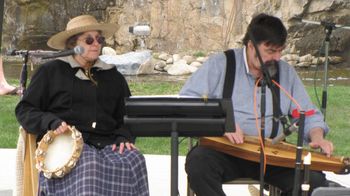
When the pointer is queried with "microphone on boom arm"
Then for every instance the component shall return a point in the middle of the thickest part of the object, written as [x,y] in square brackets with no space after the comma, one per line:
[286,131]
[288,127]
[32,53]
[75,50]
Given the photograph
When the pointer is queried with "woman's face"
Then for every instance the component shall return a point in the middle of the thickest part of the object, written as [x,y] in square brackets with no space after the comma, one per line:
[92,42]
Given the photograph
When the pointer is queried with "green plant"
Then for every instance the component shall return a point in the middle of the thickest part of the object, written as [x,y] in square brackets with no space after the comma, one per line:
[199,54]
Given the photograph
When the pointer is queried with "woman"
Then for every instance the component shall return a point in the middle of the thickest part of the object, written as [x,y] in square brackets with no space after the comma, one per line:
[82,91]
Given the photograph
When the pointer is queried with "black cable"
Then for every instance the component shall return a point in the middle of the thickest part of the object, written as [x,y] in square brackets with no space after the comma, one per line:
[315,76]
[182,140]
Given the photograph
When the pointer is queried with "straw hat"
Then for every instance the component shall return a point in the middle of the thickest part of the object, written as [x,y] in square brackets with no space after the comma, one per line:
[78,25]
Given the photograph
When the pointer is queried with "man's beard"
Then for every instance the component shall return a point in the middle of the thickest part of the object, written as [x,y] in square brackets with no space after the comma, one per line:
[271,67]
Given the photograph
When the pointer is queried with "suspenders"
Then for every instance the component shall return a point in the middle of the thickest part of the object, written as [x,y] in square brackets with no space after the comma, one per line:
[230,73]
[229,84]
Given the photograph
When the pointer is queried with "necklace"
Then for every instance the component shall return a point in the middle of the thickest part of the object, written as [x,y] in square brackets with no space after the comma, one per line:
[90,75]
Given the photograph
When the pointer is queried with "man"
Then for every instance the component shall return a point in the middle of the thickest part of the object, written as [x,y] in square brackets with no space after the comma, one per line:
[207,169]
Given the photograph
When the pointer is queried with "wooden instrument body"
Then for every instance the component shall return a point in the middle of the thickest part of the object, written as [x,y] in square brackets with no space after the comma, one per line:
[282,154]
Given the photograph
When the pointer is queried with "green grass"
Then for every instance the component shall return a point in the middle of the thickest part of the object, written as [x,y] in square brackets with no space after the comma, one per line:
[338,118]
[155,88]
[8,123]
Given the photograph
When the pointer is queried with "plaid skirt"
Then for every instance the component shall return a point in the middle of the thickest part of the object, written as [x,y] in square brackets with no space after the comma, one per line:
[101,172]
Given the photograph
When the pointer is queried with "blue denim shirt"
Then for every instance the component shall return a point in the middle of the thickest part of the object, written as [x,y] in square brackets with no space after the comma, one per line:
[209,81]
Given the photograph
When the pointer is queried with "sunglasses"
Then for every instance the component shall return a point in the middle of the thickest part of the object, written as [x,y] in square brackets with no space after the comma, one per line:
[90,40]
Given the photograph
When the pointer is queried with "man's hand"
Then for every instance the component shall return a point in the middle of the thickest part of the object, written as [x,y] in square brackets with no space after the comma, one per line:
[235,137]
[128,145]
[325,145]
[318,141]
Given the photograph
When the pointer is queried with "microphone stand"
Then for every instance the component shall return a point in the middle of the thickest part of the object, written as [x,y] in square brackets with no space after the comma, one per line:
[25,56]
[24,73]
[266,80]
[329,27]
[299,152]
[262,127]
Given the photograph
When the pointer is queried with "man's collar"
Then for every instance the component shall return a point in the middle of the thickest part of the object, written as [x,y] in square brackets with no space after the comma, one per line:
[245,59]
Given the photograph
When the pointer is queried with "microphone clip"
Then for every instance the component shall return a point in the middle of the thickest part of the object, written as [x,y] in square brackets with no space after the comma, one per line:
[288,128]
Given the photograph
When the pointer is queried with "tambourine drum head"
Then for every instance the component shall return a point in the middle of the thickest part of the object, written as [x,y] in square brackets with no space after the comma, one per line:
[59,152]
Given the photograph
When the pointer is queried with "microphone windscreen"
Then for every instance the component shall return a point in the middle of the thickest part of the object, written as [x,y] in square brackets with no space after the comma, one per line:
[78,50]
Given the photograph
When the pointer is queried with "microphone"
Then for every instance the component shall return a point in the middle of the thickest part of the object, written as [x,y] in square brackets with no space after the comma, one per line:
[293,127]
[75,50]
[36,53]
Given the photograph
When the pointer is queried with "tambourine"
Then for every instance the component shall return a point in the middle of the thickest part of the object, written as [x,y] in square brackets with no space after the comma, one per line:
[57,154]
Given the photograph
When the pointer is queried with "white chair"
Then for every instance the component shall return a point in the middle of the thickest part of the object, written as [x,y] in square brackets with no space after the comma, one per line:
[27,175]
[331,191]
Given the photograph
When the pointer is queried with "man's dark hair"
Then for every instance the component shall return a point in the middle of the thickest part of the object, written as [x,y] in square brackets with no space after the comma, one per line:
[266,28]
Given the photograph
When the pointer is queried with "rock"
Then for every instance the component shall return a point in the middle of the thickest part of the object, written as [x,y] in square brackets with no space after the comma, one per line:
[306,58]
[196,64]
[176,57]
[197,25]
[293,63]
[108,51]
[129,63]
[188,59]
[169,61]
[335,59]
[303,64]
[146,68]
[167,67]
[159,65]
[192,68]
[201,59]
[179,68]
[164,56]
[290,57]
[317,61]
[293,50]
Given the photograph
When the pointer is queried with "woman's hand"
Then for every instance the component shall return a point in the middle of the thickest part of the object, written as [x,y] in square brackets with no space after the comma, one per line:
[62,128]
[122,145]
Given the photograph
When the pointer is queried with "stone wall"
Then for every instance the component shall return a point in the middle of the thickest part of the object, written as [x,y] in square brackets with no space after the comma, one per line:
[179,25]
